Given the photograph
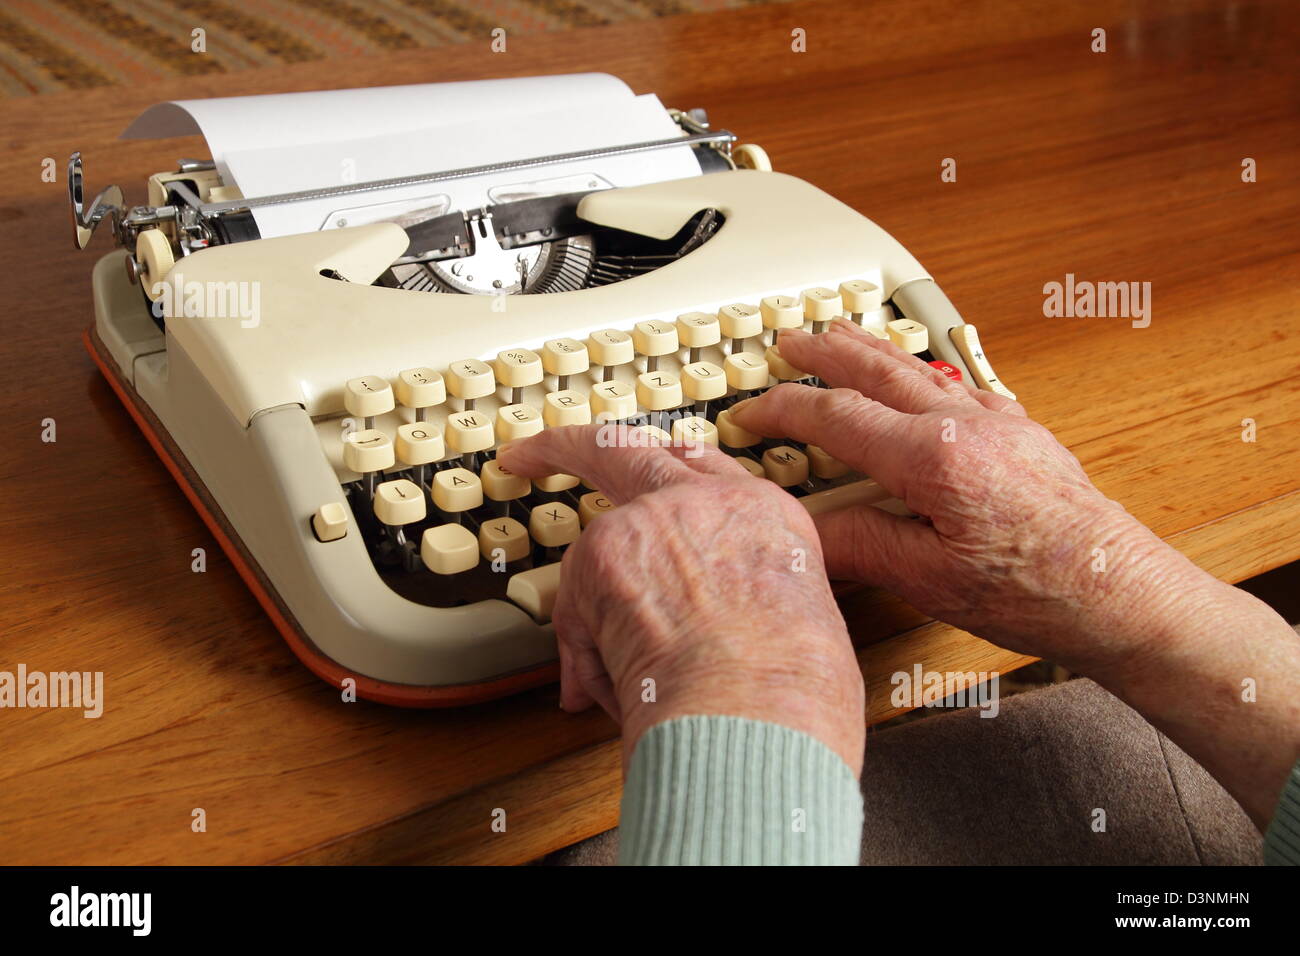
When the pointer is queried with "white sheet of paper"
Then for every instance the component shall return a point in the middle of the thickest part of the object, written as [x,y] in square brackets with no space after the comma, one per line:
[295,141]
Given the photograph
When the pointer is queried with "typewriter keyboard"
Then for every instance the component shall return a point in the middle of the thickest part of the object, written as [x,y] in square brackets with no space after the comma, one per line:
[445,524]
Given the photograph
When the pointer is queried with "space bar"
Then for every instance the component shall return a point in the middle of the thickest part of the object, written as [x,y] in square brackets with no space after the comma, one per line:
[534,590]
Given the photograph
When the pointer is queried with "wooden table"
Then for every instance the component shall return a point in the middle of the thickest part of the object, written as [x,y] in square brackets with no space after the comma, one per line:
[1121,166]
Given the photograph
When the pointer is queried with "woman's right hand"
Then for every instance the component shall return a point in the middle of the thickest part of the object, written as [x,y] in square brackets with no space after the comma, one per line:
[1016,544]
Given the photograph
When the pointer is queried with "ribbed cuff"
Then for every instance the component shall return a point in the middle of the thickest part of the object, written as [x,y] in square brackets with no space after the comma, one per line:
[714,790]
[1282,838]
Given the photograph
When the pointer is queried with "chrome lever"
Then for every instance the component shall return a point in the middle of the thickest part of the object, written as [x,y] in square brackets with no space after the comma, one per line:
[107,204]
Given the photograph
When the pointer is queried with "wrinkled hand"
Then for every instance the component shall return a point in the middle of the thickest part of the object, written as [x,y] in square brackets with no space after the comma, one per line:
[1016,546]
[703,592]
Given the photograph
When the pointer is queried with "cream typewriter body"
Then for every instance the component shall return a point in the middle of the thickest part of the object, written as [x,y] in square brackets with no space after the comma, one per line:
[330,400]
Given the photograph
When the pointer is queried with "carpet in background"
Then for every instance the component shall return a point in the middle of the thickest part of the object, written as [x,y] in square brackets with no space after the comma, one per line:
[52,45]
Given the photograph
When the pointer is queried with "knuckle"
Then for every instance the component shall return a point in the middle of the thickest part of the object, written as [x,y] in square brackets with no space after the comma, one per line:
[949,459]
[955,389]
[898,375]
[645,467]
[842,409]
[782,395]
[951,456]
[839,404]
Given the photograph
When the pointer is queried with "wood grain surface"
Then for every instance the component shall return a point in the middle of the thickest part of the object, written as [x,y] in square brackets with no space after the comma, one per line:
[1116,166]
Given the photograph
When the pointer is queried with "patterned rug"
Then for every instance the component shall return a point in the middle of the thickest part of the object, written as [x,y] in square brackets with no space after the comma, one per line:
[52,45]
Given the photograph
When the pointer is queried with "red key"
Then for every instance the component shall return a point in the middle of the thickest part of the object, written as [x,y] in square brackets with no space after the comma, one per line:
[950,371]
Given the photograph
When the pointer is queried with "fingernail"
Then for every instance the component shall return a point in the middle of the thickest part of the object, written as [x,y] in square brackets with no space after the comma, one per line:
[503,446]
[739,405]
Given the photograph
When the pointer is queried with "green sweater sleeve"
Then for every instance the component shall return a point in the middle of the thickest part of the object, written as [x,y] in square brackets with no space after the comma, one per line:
[726,791]
[1282,838]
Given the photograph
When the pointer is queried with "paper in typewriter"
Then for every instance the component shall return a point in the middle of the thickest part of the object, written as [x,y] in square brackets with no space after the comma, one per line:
[267,145]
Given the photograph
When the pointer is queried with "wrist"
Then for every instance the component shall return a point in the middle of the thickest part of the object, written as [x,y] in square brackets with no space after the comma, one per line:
[815,688]
[1132,597]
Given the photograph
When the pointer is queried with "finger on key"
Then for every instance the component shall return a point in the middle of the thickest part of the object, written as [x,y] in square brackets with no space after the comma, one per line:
[599,456]
[845,360]
[880,370]
[867,435]
[858,334]
[848,362]
[990,400]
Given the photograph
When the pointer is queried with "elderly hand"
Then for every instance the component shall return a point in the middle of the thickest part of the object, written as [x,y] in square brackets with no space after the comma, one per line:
[703,592]
[1017,545]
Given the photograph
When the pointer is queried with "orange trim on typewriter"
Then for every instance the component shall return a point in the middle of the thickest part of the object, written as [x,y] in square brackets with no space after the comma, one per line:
[383,692]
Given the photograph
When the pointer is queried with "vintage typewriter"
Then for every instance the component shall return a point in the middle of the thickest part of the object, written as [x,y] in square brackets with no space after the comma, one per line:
[339,442]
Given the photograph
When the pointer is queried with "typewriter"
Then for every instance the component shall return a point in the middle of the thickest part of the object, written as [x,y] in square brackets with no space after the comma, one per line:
[338,438]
